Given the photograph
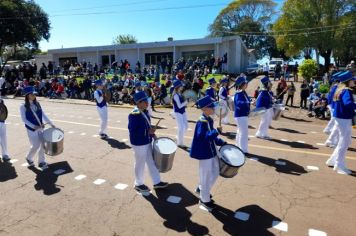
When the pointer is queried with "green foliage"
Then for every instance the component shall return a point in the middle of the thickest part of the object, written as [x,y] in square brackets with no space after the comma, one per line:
[22,24]
[246,16]
[308,69]
[124,39]
[324,88]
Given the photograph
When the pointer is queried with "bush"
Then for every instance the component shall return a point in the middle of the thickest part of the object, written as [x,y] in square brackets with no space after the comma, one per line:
[308,69]
[324,88]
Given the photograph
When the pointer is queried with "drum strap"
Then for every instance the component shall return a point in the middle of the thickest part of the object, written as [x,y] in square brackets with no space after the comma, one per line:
[216,149]
[40,134]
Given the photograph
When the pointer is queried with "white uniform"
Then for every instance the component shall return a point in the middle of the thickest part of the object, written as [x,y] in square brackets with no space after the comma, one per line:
[266,121]
[35,137]
[182,120]
[103,111]
[223,100]
[3,138]
[208,174]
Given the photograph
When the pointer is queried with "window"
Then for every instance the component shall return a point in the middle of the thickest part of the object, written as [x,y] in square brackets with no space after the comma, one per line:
[201,54]
[157,58]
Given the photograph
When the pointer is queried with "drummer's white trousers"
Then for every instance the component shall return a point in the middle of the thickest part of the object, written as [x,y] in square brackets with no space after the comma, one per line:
[343,127]
[182,126]
[242,133]
[225,120]
[36,145]
[208,174]
[3,140]
[334,135]
[265,123]
[143,155]
[103,113]
[331,123]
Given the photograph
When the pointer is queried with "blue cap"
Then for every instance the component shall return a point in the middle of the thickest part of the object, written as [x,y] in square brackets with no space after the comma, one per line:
[177,83]
[224,81]
[138,84]
[334,76]
[240,80]
[212,81]
[265,80]
[98,82]
[140,96]
[206,101]
[29,90]
[346,76]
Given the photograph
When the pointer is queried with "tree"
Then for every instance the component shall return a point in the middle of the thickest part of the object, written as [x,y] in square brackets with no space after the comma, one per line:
[124,39]
[248,18]
[308,69]
[312,24]
[22,24]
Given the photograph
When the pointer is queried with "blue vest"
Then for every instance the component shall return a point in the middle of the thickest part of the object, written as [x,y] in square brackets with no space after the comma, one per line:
[32,119]
[345,107]
[242,104]
[203,141]
[331,95]
[264,99]
[224,93]
[139,127]
[210,92]
[103,103]
[176,109]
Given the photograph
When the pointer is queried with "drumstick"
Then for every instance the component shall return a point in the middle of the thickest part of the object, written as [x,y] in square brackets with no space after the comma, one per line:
[159,120]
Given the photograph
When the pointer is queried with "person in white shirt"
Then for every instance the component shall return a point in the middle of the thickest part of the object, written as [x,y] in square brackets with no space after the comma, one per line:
[102,108]
[179,106]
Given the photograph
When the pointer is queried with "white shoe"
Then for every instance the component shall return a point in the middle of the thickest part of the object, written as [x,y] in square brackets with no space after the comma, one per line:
[342,170]
[329,144]
[330,163]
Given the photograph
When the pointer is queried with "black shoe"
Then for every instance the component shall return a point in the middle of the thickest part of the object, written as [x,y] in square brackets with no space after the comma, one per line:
[208,205]
[30,163]
[103,136]
[197,191]
[43,165]
[6,158]
[142,188]
[160,185]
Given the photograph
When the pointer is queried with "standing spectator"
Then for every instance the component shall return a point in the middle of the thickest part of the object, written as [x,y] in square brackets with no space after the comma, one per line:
[281,89]
[277,71]
[304,94]
[291,90]
[295,72]
[43,71]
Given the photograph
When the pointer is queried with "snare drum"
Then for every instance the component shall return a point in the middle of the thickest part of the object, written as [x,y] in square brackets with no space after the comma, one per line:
[277,111]
[164,150]
[53,139]
[231,159]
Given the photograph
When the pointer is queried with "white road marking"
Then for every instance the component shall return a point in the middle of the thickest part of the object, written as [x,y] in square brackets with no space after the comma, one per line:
[80,177]
[95,136]
[99,181]
[282,226]
[280,163]
[13,161]
[321,144]
[121,186]
[314,232]
[251,136]
[174,199]
[313,132]
[59,172]
[25,164]
[203,208]
[302,142]
[80,117]
[242,216]
[163,126]
[124,140]
[284,140]
[312,168]
[82,134]
[70,132]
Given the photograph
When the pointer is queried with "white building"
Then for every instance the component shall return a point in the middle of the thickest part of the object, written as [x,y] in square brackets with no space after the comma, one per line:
[238,56]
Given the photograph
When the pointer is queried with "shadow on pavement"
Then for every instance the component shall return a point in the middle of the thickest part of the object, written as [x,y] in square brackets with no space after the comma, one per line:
[296,119]
[351,149]
[117,144]
[176,216]
[294,144]
[192,121]
[46,180]
[229,135]
[290,131]
[159,127]
[290,168]
[7,171]
[258,223]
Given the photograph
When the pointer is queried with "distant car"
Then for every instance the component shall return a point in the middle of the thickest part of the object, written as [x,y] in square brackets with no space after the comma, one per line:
[255,69]
[273,63]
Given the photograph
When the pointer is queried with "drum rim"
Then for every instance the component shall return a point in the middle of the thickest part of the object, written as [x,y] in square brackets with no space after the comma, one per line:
[153,144]
[240,151]
[53,129]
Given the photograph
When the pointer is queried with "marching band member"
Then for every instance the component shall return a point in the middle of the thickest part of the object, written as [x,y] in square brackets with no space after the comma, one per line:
[211,89]
[203,148]
[344,111]
[179,106]
[265,100]
[242,110]
[330,128]
[102,108]
[223,96]
[141,136]
[3,139]
[35,119]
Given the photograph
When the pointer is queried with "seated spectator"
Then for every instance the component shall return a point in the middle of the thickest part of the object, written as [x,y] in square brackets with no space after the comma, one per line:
[320,107]
[313,99]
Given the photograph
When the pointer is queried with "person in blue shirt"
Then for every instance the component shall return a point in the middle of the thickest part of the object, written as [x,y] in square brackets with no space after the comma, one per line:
[204,149]
[102,108]
[313,98]
[141,136]
[223,97]
[344,112]
[179,106]
[331,128]
[265,100]
[34,119]
[211,89]
[242,110]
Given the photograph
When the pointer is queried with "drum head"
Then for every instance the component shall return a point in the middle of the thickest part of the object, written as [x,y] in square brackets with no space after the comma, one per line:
[232,155]
[257,112]
[3,112]
[190,95]
[221,110]
[165,145]
[53,135]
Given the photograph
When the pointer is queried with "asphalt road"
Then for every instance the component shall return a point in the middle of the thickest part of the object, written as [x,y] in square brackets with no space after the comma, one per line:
[297,195]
